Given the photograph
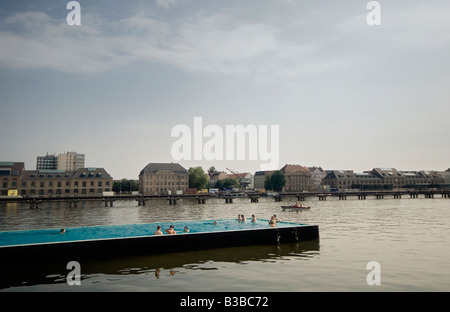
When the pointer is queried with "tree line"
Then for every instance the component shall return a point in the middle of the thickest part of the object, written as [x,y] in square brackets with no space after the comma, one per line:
[199,179]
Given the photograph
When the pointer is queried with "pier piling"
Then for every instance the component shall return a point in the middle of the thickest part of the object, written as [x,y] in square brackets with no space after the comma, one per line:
[277,198]
[73,203]
[172,200]
[109,201]
[34,203]
[201,200]
[141,201]
[254,199]
[228,200]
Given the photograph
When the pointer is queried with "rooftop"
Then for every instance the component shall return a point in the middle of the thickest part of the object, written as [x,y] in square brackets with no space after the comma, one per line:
[152,168]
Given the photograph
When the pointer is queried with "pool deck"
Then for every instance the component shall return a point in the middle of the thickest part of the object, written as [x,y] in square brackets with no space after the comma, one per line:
[135,239]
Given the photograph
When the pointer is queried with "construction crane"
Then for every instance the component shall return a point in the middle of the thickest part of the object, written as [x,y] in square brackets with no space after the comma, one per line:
[245,182]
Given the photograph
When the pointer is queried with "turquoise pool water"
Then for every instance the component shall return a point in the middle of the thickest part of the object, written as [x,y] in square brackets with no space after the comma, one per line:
[10,238]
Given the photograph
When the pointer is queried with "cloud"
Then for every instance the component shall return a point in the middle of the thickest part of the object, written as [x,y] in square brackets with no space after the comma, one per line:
[213,44]
[166,3]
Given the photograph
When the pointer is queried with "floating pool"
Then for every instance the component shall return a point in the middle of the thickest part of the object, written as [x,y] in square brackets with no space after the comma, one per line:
[139,238]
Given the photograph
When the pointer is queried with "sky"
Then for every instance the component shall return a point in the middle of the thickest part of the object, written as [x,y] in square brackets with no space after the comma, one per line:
[345,94]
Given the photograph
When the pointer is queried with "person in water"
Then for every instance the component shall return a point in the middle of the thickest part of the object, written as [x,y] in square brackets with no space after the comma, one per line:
[158,230]
[170,230]
[186,229]
[62,231]
[273,221]
[243,219]
[253,218]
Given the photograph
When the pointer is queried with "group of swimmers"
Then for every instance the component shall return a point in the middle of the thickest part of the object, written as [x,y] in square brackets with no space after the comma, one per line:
[242,218]
[169,231]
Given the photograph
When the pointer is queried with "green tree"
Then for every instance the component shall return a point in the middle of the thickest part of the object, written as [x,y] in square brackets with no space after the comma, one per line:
[125,186]
[197,178]
[227,183]
[212,170]
[268,182]
[277,181]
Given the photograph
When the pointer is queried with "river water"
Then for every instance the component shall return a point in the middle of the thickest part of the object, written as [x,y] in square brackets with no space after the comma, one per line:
[408,238]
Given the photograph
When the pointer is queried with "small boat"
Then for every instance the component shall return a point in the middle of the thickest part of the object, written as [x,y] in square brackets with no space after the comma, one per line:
[295,207]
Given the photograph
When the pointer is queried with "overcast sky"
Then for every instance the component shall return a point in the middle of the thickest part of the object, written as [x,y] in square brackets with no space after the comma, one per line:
[345,95]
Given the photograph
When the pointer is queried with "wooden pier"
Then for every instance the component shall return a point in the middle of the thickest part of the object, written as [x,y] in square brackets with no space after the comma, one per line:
[35,202]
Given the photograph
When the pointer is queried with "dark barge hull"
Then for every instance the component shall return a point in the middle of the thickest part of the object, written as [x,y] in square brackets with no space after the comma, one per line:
[100,248]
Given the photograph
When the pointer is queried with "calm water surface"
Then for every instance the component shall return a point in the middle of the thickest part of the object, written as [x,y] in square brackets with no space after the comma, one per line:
[410,238]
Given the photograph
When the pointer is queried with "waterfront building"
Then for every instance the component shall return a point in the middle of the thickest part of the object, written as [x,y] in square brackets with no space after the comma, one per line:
[383,179]
[259,178]
[298,178]
[433,178]
[245,179]
[162,178]
[411,180]
[47,162]
[446,176]
[71,161]
[390,178]
[10,173]
[349,180]
[317,174]
[217,176]
[65,183]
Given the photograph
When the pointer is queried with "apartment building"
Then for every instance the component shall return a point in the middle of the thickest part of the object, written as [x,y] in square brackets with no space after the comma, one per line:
[71,161]
[298,178]
[47,162]
[65,183]
[10,173]
[317,174]
[383,179]
[260,178]
[162,178]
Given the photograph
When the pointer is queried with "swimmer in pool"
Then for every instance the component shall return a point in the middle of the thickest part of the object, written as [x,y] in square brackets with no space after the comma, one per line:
[170,230]
[186,230]
[158,230]
[243,219]
[62,231]
[253,218]
[273,221]
[239,218]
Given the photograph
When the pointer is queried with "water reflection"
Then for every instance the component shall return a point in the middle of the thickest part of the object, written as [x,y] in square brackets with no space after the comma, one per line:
[29,273]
